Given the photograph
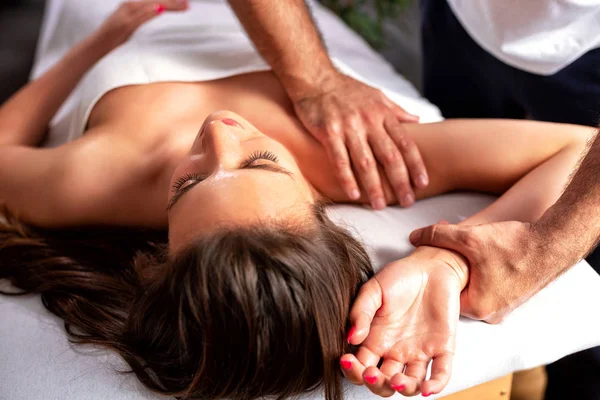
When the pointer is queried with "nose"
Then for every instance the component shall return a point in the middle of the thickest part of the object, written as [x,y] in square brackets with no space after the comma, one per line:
[222,138]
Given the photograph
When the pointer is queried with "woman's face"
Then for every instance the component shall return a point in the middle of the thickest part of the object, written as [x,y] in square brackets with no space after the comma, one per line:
[233,174]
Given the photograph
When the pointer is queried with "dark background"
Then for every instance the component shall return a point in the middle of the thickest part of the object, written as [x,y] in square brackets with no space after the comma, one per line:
[20,22]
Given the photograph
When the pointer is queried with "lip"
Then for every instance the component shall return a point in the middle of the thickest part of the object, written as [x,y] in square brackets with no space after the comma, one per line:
[231,122]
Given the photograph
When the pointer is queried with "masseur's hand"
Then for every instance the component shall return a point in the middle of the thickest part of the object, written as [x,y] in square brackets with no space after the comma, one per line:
[130,15]
[508,263]
[407,314]
[359,126]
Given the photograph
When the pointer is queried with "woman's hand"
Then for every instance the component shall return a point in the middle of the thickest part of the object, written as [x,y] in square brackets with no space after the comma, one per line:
[130,15]
[407,315]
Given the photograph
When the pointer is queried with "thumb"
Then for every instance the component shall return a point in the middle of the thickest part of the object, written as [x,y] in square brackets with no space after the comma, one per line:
[368,301]
[442,235]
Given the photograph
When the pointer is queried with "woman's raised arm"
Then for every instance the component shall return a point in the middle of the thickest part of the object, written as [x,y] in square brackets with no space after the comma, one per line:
[41,186]
[25,116]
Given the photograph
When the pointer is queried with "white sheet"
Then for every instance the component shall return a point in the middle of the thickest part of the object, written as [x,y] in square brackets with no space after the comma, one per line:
[37,362]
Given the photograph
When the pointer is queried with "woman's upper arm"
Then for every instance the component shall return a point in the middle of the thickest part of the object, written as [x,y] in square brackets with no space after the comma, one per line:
[64,186]
[33,185]
[489,155]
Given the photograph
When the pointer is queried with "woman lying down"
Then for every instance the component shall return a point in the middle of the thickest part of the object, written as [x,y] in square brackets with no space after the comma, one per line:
[250,290]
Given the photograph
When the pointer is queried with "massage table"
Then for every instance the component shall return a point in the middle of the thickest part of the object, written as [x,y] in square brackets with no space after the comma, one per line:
[38,362]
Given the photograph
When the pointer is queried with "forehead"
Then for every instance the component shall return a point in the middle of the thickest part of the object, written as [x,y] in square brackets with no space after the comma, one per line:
[242,197]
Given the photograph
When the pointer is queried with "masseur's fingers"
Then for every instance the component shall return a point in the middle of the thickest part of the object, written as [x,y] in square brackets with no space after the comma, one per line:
[441,368]
[364,163]
[389,156]
[410,152]
[368,301]
[352,369]
[337,152]
[377,383]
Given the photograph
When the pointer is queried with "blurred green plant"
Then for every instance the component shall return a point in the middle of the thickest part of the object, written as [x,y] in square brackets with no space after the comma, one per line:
[366,17]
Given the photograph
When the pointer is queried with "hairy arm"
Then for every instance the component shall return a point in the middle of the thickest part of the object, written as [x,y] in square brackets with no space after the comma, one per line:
[571,227]
[287,38]
[355,123]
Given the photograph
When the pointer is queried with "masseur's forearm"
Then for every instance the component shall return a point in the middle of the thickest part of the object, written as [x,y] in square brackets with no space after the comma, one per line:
[285,35]
[570,228]
[25,116]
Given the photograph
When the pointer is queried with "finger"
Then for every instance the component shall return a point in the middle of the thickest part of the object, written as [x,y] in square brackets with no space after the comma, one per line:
[367,357]
[441,368]
[338,154]
[417,369]
[400,112]
[352,369]
[407,385]
[389,156]
[148,10]
[410,152]
[447,236]
[391,367]
[366,167]
[366,304]
[170,5]
[376,382]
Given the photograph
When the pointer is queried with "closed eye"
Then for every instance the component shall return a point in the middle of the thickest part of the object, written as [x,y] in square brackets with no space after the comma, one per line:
[189,181]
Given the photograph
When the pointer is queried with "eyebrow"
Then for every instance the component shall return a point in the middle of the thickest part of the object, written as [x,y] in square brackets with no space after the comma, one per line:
[265,167]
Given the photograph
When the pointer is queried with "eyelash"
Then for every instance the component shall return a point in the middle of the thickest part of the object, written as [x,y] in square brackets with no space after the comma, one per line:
[257,155]
[261,155]
[186,178]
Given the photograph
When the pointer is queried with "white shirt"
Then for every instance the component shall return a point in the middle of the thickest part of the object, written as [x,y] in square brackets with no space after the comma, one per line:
[538,36]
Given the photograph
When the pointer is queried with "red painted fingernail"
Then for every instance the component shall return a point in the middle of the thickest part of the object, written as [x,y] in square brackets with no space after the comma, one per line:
[427,394]
[370,379]
[398,388]
[159,9]
[346,364]
[351,333]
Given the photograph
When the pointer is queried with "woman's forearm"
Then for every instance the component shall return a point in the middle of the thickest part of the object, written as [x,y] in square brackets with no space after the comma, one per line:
[26,115]
[529,197]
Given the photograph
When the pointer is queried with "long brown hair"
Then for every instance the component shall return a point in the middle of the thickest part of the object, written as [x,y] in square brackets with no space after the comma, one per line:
[240,313]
